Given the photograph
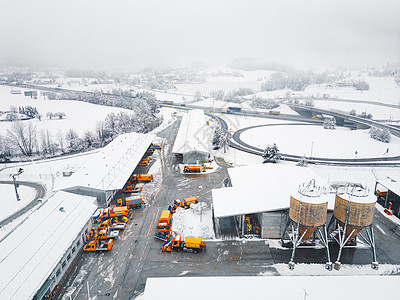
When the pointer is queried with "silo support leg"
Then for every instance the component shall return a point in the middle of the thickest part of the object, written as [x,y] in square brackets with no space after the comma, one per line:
[371,242]
[284,232]
[323,236]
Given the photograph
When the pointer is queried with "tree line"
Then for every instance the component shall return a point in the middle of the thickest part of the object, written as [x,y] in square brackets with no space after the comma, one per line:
[24,141]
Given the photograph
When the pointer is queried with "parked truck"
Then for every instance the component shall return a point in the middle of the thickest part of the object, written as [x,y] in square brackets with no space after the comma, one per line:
[98,245]
[134,201]
[193,169]
[164,222]
[142,177]
[107,233]
[190,243]
[184,202]
[115,211]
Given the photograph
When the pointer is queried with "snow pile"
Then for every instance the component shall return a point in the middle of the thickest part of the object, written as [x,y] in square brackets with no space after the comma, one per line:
[195,221]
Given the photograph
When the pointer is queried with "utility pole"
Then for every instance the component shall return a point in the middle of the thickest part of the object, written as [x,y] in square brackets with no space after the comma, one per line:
[20,171]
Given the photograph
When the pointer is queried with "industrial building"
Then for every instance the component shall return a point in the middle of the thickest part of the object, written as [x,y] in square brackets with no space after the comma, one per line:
[194,138]
[263,192]
[107,171]
[37,253]
[388,193]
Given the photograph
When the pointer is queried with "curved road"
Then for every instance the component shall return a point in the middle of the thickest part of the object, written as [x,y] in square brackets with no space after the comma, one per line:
[240,145]
[40,193]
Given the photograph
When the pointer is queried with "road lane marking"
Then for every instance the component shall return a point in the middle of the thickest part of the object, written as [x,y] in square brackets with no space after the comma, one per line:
[380,229]
[140,224]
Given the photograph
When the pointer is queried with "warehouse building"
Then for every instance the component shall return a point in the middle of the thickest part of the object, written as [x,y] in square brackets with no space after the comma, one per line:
[35,256]
[194,138]
[107,172]
[260,194]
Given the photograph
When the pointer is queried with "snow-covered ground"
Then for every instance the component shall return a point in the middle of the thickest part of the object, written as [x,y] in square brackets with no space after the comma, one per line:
[80,116]
[8,201]
[195,221]
[315,141]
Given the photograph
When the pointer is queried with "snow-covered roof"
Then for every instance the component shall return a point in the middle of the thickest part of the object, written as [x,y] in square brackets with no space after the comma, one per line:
[391,185]
[194,134]
[265,187]
[31,252]
[111,167]
[273,287]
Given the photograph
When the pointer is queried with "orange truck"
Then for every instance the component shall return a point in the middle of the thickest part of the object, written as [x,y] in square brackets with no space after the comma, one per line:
[185,202]
[195,168]
[135,201]
[190,243]
[142,177]
[98,245]
[117,211]
[164,222]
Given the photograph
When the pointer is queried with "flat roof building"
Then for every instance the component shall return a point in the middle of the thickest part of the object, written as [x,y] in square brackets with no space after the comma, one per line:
[35,256]
[193,139]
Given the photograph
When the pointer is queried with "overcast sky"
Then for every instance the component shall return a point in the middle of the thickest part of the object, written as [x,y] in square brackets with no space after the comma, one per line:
[124,35]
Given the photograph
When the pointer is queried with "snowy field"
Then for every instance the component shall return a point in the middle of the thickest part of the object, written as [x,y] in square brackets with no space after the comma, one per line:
[315,141]
[381,89]
[8,201]
[80,116]
[377,112]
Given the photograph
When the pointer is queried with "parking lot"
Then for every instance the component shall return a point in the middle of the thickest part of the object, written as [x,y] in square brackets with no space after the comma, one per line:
[122,272]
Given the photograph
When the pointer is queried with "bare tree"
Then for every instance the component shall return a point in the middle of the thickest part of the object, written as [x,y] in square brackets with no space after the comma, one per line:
[73,140]
[23,137]
[60,138]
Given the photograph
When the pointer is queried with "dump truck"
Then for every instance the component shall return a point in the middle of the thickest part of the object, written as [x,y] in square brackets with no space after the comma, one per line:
[134,202]
[142,177]
[98,245]
[190,243]
[185,202]
[164,222]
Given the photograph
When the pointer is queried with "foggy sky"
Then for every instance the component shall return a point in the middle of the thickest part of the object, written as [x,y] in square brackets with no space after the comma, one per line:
[121,35]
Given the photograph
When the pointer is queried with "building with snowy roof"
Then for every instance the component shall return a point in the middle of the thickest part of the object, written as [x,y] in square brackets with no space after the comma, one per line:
[193,139]
[273,287]
[35,256]
[262,194]
[108,171]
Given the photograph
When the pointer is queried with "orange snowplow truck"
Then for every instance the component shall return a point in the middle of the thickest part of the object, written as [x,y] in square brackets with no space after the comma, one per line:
[142,177]
[98,245]
[185,202]
[193,169]
[118,211]
[164,222]
[190,243]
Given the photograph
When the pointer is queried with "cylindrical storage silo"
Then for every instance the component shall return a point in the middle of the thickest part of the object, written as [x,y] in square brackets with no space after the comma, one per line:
[308,208]
[360,206]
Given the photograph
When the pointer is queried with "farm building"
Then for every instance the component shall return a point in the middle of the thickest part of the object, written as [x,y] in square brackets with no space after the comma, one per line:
[35,256]
[261,194]
[193,139]
[107,172]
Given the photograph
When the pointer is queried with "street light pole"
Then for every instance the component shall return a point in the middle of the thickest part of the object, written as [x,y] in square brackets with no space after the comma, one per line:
[14,176]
